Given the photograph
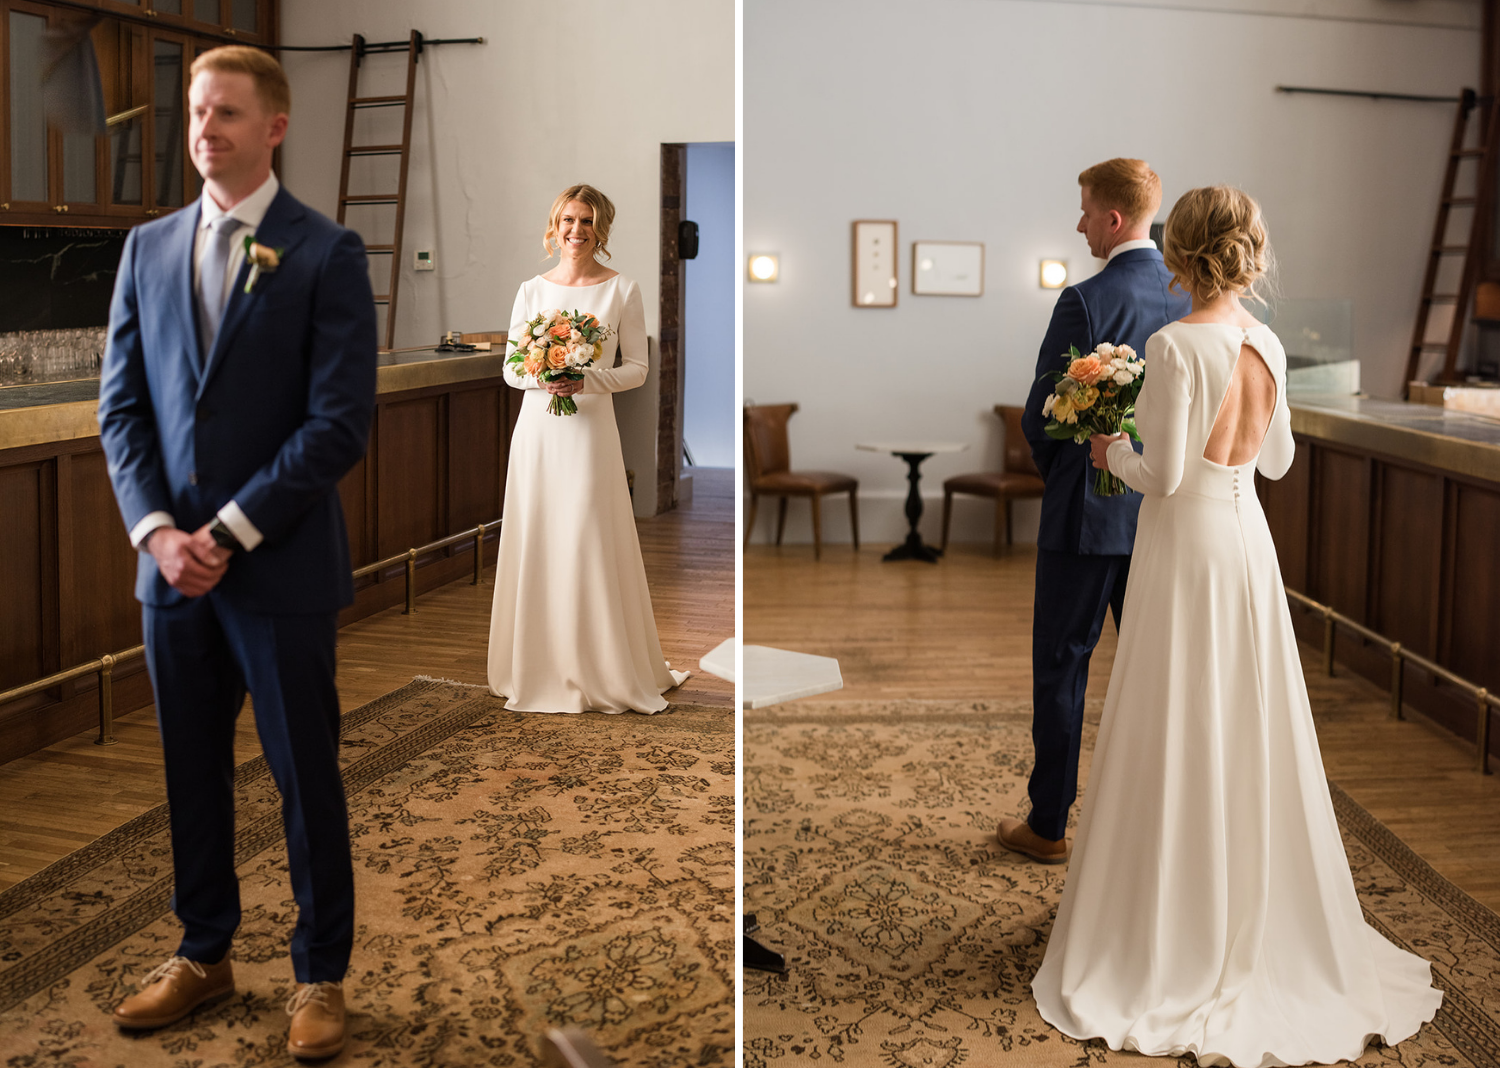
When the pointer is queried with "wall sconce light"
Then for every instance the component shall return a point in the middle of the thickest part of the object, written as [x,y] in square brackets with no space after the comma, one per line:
[1054,274]
[763,267]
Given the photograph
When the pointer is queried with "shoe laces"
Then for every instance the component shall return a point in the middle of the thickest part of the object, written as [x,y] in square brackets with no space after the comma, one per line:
[169,968]
[307,992]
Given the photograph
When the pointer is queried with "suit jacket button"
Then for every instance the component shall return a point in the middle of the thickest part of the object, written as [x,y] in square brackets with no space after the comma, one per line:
[192,478]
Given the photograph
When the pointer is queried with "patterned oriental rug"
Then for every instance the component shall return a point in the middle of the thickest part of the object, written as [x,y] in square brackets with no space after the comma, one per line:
[514,872]
[912,937]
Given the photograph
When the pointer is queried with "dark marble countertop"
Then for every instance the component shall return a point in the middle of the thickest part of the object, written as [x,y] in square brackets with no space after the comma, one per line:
[1460,442]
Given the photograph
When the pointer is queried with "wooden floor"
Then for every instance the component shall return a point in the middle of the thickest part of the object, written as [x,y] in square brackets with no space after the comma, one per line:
[62,797]
[961,629]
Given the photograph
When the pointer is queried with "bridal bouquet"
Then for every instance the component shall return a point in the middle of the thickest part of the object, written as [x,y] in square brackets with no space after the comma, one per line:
[556,346]
[1095,395]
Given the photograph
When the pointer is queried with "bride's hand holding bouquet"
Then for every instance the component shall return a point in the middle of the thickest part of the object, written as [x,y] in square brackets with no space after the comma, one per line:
[555,349]
[1094,400]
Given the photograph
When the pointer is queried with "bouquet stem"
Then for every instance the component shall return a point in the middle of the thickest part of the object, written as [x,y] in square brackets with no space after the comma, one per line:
[1107,484]
[562,406]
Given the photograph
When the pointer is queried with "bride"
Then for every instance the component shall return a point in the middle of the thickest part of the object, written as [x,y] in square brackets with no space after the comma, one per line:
[571,629]
[1209,907]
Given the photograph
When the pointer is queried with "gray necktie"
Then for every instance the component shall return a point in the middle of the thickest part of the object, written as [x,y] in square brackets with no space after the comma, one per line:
[211,279]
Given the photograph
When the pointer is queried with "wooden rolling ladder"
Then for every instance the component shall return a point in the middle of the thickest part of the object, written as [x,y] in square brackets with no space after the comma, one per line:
[1444,246]
[398,198]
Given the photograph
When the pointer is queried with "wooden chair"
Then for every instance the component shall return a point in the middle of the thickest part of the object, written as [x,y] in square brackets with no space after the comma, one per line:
[768,469]
[1018,480]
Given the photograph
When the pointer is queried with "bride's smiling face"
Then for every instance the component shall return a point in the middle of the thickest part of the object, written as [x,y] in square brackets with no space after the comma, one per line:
[575,229]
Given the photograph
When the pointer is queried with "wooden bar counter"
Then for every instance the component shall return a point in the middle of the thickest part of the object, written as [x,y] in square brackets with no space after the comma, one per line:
[435,466]
[1391,515]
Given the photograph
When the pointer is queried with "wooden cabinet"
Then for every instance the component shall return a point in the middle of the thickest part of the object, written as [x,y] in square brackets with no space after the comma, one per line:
[1404,546]
[140,168]
[435,466]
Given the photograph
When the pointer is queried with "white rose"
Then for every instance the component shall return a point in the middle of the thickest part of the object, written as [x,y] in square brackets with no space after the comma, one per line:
[1125,351]
[575,336]
[1104,350]
[1124,378]
[539,330]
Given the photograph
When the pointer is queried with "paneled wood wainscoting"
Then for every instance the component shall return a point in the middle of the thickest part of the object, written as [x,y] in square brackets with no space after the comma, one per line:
[435,466]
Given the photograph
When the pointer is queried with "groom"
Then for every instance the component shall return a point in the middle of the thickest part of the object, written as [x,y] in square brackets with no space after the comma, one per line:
[1083,549]
[237,390]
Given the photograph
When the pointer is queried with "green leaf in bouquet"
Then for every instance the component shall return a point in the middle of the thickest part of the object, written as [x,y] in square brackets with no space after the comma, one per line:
[1060,431]
[1128,425]
[1073,353]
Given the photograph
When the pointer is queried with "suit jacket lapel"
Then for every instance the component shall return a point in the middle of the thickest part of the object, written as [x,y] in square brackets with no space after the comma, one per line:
[279,229]
[183,244]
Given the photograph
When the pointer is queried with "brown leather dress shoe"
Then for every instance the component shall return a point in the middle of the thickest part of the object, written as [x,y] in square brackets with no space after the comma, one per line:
[317,1012]
[1018,837]
[172,990]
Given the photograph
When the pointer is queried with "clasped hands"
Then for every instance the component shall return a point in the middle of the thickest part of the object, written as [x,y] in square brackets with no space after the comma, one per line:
[192,563]
[1099,445]
[564,387]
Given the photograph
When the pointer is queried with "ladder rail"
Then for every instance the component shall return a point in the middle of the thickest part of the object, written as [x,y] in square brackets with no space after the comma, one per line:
[1472,262]
[412,56]
[355,103]
[1456,153]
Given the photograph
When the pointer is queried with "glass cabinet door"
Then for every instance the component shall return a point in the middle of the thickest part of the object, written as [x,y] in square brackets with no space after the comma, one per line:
[30,171]
[169,110]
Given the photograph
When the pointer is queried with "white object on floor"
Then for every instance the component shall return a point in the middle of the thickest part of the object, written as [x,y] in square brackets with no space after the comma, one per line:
[720,660]
[776,675]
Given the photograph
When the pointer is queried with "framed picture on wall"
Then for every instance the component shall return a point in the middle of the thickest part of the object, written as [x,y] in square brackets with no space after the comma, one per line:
[947,268]
[874,263]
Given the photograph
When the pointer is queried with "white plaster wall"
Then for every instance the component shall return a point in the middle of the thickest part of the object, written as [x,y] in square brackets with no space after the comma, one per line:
[969,120]
[709,417]
[563,91]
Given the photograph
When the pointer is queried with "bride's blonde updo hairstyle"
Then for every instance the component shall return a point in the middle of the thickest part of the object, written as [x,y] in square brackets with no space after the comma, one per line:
[1215,241]
[597,202]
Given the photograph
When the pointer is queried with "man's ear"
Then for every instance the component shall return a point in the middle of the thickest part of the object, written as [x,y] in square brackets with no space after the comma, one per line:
[1116,221]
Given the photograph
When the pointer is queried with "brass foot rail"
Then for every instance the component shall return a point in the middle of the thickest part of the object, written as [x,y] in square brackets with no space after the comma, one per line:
[1483,699]
[105,665]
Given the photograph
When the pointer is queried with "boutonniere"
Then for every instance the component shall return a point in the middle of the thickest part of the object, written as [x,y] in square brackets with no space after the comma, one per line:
[262,259]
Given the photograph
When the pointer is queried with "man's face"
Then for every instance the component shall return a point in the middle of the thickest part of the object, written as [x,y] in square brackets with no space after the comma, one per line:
[1099,225]
[230,134]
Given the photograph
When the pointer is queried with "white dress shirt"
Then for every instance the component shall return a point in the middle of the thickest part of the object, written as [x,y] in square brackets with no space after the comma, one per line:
[249,213]
[1123,246]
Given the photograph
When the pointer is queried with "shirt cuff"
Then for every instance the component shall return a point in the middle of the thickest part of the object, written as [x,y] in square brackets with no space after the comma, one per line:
[240,526]
[152,521]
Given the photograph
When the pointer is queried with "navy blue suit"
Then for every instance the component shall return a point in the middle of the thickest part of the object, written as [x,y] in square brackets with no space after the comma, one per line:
[270,418]
[1083,547]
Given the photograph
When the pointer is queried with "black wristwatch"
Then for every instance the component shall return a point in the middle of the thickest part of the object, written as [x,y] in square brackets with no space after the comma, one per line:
[224,537]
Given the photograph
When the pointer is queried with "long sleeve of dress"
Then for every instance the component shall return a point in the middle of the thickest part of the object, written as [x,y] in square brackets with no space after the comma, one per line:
[518,319]
[1278,450]
[633,353]
[1162,420]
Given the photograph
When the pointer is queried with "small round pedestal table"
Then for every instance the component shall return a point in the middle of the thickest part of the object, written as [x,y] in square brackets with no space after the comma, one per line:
[913,452]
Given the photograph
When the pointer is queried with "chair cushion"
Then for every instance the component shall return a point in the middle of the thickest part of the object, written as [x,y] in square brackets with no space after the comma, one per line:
[803,483]
[995,484]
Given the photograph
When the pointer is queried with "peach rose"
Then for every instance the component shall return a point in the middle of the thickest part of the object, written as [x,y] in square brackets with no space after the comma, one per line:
[533,362]
[561,330]
[557,357]
[1086,369]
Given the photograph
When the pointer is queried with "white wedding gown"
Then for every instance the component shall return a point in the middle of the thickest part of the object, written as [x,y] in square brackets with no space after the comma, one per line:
[571,629]
[1209,907]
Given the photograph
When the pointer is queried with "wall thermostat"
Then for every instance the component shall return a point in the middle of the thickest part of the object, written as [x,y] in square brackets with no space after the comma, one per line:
[422,261]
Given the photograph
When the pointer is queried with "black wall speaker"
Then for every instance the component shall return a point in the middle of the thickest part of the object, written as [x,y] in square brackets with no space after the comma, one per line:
[687,240]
